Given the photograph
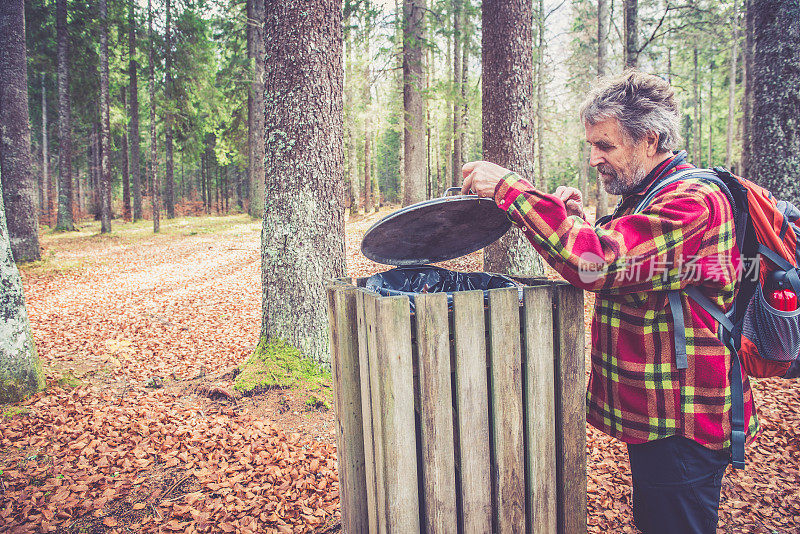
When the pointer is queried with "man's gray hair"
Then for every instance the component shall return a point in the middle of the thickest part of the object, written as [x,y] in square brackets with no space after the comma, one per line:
[642,103]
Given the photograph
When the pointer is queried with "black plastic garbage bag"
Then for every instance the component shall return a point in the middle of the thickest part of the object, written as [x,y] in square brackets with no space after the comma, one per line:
[410,281]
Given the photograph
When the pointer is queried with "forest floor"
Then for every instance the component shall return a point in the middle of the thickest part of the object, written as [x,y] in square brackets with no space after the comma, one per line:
[139,429]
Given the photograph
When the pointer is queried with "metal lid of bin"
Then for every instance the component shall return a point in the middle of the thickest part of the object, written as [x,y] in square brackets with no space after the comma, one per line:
[435,230]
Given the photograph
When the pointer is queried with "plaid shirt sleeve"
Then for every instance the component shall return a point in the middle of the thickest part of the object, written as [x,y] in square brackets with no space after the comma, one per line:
[632,253]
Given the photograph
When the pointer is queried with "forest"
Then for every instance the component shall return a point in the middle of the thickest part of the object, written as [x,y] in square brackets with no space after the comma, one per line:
[183,179]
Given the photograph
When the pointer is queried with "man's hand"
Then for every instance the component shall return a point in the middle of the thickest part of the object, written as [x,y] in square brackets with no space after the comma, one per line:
[482,178]
[572,199]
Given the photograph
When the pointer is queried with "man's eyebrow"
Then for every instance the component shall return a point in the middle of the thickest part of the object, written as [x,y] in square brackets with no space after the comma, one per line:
[601,142]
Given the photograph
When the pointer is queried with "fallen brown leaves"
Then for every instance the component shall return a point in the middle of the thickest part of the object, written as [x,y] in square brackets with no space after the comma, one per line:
[97,449]
[113,455]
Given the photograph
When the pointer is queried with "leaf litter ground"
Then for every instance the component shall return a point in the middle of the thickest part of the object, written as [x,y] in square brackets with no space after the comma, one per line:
[100,451]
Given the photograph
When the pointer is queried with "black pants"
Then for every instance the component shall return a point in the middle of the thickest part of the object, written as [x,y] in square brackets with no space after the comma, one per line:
[676,486]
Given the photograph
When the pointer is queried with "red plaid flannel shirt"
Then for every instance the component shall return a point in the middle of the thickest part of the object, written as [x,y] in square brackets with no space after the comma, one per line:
[684,236]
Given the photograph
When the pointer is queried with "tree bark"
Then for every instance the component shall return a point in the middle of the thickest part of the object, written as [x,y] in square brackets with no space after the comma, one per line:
[400,81]
[710,160]
[415,174]
[508,129]
[696,131]
[45,191]
[355,195]
[540,95]
[16,169]
[155,187]
[631,12]
[255,27]
[732,89]
[602,59]
[95,178]
[458,155]
[169,167]
[105,145]
[747,123]
[21,372]
[366,96]
[64,213]
[302,241]
[126,179]
[775,156]
[133,124]
[466,28]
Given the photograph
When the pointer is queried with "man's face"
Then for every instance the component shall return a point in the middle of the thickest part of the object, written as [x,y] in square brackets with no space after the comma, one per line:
[621,165]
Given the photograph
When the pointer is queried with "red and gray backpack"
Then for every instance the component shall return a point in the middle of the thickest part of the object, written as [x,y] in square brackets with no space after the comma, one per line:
[762,328]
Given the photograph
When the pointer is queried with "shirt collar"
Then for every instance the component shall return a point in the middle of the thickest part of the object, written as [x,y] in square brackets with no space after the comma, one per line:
[662,170]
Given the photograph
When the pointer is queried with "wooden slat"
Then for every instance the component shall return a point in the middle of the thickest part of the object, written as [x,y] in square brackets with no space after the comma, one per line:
[397,425]
[570,395]
[363,302]
[347,404]
[540,409]
[436,413]
[472,407]
[508,472]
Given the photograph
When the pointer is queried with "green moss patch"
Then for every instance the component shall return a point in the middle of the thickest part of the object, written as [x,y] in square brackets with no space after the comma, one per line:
[68,380]
[276,364]
[11,411]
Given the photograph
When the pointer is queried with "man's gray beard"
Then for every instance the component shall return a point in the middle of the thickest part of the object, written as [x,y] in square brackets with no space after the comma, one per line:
[625,186]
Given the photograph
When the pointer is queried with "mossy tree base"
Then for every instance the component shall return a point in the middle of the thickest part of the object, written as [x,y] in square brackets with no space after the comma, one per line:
[277,364]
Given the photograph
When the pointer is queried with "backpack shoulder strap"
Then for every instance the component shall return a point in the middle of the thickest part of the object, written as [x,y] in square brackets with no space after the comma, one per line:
[728,330]
[705,174]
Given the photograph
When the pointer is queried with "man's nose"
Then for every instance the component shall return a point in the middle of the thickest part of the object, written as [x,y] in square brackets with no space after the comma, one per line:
[595,157]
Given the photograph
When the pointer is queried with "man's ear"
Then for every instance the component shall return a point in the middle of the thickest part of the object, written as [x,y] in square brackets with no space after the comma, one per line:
[651,139]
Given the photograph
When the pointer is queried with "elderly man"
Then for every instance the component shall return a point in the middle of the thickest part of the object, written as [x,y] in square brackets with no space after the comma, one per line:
[675,419]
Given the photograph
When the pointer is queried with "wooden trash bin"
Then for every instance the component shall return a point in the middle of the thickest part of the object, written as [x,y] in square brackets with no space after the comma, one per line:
[466,416]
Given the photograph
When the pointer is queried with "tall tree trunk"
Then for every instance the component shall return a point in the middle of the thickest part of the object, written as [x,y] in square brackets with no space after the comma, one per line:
[451,110]
[602,58]
[465,42]
[203,179]
[631,15]
[255,28]
[133,124]
[81,200]
[21,372]
[155,187]
[710,161]
[400,82]
[669,65]
[540,96]
[508,132]
[305,179]
[105,145]
[126,179]
[16,170]
[239,192]
[352,155]
[696,131]
[64,213]
[458,154]
[428,158]
[95,181]
[169,172]
[732,89]
[747,119]
[776,102]
[45,191]
[415,174]
[367,99]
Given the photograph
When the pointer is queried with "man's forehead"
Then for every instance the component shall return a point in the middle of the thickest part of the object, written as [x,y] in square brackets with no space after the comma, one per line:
[607,129]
